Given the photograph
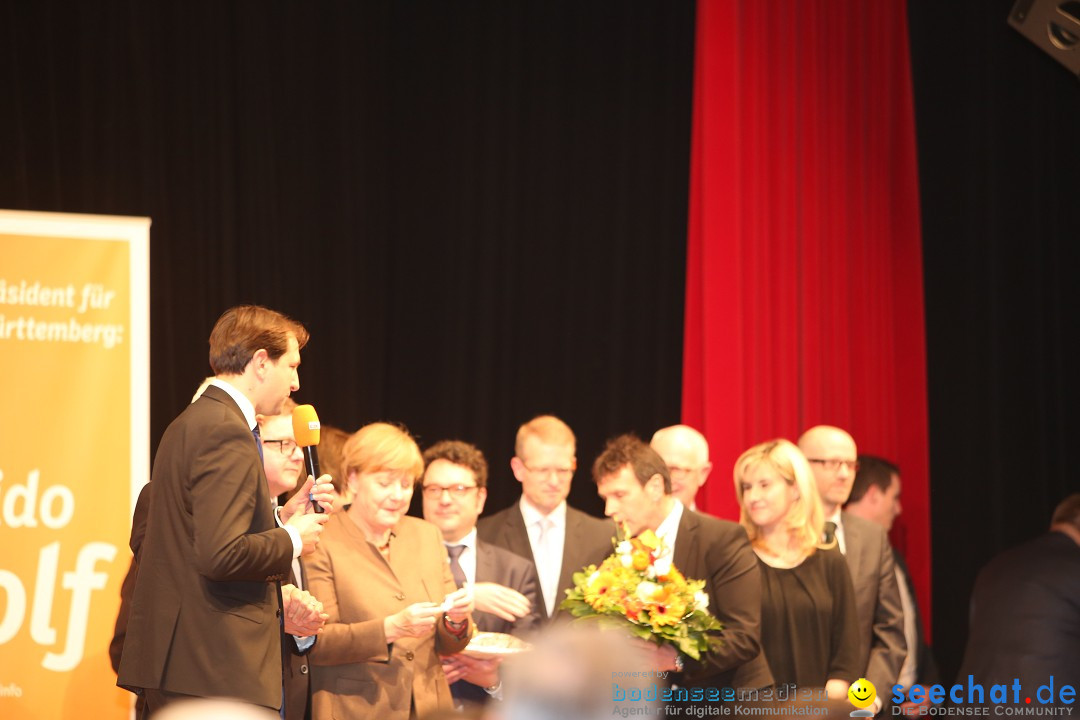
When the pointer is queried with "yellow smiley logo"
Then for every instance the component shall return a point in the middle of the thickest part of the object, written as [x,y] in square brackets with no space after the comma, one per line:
[862,693]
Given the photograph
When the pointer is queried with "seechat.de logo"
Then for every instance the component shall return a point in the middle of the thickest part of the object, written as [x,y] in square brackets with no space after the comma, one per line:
[974,698]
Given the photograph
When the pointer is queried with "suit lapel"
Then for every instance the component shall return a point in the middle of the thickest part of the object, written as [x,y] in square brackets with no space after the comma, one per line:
[855,549]
[686,543]
[515,536]
[485,564]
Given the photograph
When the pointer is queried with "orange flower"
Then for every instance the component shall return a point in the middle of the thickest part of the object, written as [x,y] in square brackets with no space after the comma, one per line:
[666,607]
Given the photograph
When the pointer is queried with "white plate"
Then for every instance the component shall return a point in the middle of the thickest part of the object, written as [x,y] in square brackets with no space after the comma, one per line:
[486,645]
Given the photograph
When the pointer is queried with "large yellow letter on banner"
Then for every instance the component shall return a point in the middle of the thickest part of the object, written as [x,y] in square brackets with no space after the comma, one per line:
[74,363]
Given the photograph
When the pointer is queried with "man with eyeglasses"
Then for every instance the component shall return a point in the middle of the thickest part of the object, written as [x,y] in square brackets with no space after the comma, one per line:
[834,461]
[686,453]
[541,527]
[283,461]
[505,586]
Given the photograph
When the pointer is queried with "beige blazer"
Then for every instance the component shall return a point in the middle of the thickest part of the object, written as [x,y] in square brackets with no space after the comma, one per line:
[355,673]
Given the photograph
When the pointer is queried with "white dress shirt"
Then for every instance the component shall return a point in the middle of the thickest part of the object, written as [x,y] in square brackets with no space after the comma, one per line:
[547,536]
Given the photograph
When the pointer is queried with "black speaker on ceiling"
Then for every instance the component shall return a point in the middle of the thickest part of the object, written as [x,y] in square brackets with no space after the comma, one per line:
[1053,25]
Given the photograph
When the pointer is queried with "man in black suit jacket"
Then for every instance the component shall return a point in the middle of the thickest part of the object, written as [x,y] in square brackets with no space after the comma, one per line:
[634,482]
[834,460]
[1025,613]
[541,527]
[505,585]
[875,496]
[283,462]
[206,615]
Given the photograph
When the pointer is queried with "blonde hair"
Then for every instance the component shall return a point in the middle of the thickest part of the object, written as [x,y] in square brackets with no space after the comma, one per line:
[805,520]
[381,447]
[548,429]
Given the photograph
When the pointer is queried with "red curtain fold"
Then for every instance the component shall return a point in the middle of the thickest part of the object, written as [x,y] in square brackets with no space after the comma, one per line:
[804,295]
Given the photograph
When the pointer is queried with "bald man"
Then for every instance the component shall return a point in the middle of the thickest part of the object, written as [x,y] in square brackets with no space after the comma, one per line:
[686,453]
[834,460]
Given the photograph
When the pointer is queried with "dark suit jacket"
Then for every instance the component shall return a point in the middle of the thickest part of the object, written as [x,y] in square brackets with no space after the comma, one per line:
[587,542]
[718,552]
[496,565]
[205,616]
[297,671]
[877,601]
[926,672]
[127,589]
[1025,617]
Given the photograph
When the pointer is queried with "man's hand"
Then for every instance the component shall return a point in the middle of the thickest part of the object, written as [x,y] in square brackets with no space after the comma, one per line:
[484,673]
[310,526]
[500,600]
[416,620]
[660,657]
[303,614]
[300,502]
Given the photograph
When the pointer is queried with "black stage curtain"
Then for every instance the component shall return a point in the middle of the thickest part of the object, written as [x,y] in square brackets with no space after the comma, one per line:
[477,208]
[997,127]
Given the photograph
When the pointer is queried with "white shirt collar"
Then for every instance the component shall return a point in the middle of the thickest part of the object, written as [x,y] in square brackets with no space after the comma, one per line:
[240,398]
[468,541]
[668,530]
[532,515]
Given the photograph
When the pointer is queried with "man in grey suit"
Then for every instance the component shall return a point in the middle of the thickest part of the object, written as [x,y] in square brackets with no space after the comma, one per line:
[834,460]
[505,585]
[541,527]
[875,496]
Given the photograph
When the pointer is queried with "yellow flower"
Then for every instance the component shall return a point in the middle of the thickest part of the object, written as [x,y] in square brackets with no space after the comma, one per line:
[601,589]
[675,577]
[641,560]
[649,540]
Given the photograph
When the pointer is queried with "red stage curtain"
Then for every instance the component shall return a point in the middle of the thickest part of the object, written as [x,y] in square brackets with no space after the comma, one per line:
[804,300]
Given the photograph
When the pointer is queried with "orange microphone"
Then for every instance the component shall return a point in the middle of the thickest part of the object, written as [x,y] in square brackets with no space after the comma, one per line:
[305,424]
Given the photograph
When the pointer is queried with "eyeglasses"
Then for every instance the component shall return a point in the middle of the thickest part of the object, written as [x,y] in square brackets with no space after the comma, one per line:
[285,446]
[834,465]
[457,492]
[561,473]
[674,470]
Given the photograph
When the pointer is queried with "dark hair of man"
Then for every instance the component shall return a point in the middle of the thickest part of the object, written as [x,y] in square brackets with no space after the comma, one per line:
[242,330]
[459,453]
[872,471]
[630,450]
[1068,512]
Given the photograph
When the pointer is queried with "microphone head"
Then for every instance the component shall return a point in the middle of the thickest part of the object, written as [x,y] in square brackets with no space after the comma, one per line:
[305,425]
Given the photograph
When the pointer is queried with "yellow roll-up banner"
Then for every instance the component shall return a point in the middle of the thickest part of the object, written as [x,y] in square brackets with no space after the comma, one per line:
[74,449]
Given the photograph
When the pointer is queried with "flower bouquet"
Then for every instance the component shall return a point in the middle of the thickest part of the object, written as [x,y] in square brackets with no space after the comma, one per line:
[639,589]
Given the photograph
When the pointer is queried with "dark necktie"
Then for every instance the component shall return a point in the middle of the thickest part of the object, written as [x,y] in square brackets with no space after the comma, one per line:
[830,532]
[455,566]
[258,441]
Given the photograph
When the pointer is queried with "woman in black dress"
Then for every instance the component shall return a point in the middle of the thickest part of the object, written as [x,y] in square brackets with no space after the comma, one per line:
[808,624]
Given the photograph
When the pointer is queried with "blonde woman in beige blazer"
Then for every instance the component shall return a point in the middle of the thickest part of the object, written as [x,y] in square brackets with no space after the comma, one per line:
[382,578]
